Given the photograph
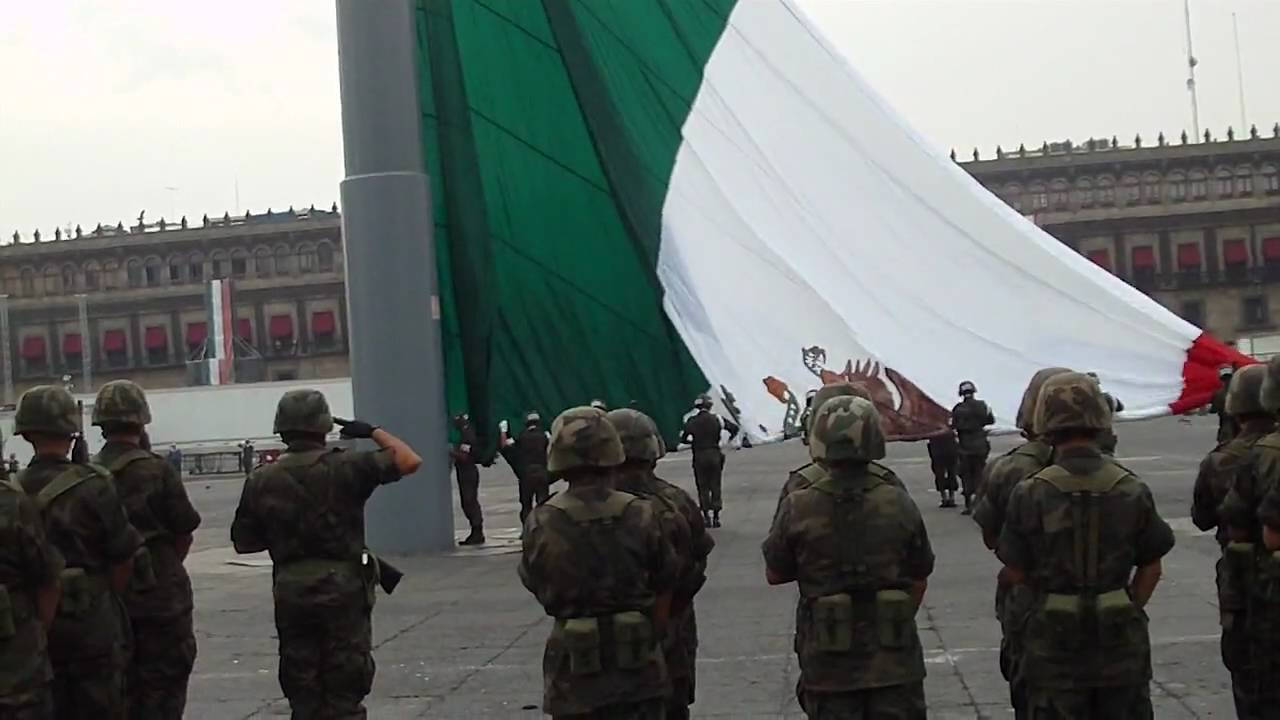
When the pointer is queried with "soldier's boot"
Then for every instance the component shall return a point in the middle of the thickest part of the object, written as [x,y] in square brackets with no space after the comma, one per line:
[706,518]
[968,505]
[948,498]
[715,518]
[475,538]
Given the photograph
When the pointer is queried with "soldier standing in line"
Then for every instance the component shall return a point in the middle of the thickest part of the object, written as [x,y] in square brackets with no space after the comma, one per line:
[970,418]
[1107,441]
[943,457]
[855,543]
[527,456]
[85,520]
[307,510]
[159,599]
[806,416]
[599,562]
[1218,405]
[1074,534]
[642,445]
[464,466]
[1002,475]
[1217,472]
[29,570]
[703,432]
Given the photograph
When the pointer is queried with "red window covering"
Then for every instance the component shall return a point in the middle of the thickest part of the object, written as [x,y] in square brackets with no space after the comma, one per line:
[1101,258]
[244,328]
[322,322]
[33,347]
[1234,252]
[72,344]
[1144,257]
[1271,248]
[196,333]
[113,341]
[156,338]
[281,327]
[1189,255]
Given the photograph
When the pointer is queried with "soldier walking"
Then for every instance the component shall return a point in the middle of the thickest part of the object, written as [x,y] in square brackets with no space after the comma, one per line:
[85,520]
[464,466]
[1013,601]
[642,445]
[703,432]
[970,418]
[307,510]
[527,456]
[600,563]
[856,545]
[159,599]
[943,458]
[1074,534]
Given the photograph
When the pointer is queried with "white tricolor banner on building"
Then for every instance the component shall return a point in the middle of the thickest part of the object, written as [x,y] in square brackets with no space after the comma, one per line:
[220,343]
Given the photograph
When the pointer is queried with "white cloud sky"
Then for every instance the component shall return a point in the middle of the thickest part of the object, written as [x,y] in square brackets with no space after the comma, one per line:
[105,105]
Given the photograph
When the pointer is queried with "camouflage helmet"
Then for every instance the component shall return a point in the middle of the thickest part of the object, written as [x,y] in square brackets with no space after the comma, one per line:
[1244,394]
[1071,401]
[121,401]
[1270,395]
[703,401]
[846,428]
[47,409]
[968,388]
[303,411]
[843,388]
[638,433]
[1027,410]
[582,437]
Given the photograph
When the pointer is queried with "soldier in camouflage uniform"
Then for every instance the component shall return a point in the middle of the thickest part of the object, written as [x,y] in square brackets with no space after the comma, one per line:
[1001,476]
[1217,472]
[1074,533]
[29,570]
[159,596]
[307,510]
[642,445]
[1218,405]
[1251,570]
[85,520]
[703,431]
[856,545]
[970,418]
[600,562]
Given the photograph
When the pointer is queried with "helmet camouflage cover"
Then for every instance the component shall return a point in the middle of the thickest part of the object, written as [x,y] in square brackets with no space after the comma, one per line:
[303,411]
[638,433]
[47,409]
[121,401]
[1030,398]
[1270,395]
[846,428]
[1072,401]
[1244,394]
[583,437]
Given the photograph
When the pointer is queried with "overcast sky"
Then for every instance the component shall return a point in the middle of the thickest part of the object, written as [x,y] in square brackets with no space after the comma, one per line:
[105,106]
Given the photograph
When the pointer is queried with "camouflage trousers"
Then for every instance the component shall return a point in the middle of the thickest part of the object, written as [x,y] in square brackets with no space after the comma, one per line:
[1012,605]
[89,690]
[164,651]
[326,660]
[469,495]
[896,702]
[708,468]
[970,468]
[1122,702]
[644,710]
[36,705]
[534,489]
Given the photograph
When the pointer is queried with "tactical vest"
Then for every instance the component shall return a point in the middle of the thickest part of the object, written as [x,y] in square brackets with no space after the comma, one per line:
[144,574]
[1251,568]
[619,641]
[82,589]
[1097,629]
[17,605]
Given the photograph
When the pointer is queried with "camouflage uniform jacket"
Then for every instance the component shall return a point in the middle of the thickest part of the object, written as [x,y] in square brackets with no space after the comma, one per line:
[1083,545]
[157,505]
[806,475]
[1269,511]
[27,563]
[89,527]
[855,533]
[970,418]
[597,569]
[1217,472]
[703,431]
[309,506]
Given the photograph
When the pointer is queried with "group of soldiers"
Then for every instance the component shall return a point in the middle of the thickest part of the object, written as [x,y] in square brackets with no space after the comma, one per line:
[95,604]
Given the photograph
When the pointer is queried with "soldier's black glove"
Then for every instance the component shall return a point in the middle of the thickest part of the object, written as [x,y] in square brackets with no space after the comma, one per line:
[355,428]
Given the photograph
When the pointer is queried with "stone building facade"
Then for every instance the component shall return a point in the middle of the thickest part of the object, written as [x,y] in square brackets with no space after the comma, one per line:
[144,286]
[1194,224]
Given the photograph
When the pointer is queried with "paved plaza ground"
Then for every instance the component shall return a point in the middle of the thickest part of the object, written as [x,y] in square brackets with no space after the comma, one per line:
[461,638]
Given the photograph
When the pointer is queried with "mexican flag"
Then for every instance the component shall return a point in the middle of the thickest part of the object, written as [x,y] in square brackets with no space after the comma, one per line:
[638,200]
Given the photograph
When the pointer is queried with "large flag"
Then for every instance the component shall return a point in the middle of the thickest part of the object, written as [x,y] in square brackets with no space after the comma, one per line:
[638,201]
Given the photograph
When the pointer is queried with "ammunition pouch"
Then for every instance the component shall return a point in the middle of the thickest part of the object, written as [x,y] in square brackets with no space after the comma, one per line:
[582,641]
[144,572]
[895,619]
[81,592]
[628,644]
[833,623]
[633,639]
[1119,620]
[1063,618]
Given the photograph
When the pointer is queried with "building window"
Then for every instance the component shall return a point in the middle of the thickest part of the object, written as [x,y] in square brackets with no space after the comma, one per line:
[1100,257]
[262,262]
[307,259]
[68,278]
[11,285]
[239,263]
[196,334]
[282,260]
[1193,312]
[195,268]
[110,275]
[1270,179]
[281,329]
[1271,258]
[1235,260]
[1255,312]
[1106,191]
[156,340]
[1131,190]
[28,278]
[115,349]
[1224,184]
[153,272]
[35,360]
[1199,186]
[1189,263]
[1177,188]
[73,351]
[175,271]
[1143,267]
[1244,180]
[324,257]
[91,276]
[1151,189]
[324,330]
[244,330]
[134,272]
[218,265]
[1084,193]
[52,281]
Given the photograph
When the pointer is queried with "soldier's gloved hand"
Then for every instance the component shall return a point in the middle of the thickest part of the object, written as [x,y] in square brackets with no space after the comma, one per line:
[503,426]
[355,428]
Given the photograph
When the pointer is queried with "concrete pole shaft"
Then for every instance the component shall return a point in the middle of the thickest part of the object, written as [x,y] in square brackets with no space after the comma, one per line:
[397,368]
